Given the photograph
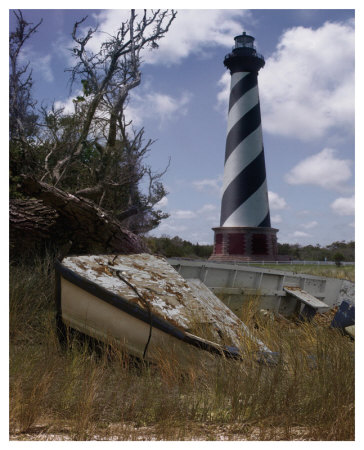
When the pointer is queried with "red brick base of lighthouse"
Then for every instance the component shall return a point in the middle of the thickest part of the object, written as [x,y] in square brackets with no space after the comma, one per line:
[245,244]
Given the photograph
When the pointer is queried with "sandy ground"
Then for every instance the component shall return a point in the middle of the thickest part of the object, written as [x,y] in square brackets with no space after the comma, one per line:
[195,432]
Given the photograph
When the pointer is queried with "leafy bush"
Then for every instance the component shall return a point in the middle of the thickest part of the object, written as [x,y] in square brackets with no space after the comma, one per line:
[338,258]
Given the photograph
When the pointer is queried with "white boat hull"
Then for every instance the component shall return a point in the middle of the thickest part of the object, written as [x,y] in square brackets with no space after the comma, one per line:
[97,318]
[91,309]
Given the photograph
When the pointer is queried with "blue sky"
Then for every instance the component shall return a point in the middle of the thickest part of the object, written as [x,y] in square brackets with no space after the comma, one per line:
[307,105]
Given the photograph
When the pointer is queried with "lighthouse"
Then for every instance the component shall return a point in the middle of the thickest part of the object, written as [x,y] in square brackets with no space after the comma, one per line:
[245,231]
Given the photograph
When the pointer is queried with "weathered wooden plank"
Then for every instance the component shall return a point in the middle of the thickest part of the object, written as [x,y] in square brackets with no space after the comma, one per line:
[305,297]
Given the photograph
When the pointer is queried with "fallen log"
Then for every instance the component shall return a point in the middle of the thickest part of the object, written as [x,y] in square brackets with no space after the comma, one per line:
[31,217]
[33,227]
[87,225]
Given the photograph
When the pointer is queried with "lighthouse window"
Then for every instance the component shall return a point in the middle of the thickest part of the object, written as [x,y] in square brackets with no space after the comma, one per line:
[236,244]
[244,41]
[259,244]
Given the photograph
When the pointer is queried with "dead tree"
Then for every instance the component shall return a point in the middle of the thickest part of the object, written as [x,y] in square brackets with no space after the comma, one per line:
[21,103]
[22,116]
[96,153]
[107,78]
[86,159]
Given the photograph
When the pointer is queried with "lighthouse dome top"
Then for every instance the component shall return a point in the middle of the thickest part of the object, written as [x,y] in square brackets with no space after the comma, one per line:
[244,40]
[244,56]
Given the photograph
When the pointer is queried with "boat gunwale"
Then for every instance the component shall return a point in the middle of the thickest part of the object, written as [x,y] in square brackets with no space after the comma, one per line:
[175,262]
[134,310]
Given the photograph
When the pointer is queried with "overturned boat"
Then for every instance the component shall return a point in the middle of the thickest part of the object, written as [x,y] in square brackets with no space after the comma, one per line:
[144,304]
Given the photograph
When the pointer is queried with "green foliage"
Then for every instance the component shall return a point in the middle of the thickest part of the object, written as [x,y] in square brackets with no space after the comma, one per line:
[338,258]
[86,88]
[177,247]
[318,253]
[78,99]
[22,160]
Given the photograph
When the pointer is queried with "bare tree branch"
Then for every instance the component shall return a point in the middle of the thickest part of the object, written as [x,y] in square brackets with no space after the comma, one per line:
[21,103]
[107,71]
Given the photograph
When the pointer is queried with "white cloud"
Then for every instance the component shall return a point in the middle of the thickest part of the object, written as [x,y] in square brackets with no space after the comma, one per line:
[310,225]
[166,105]
[298,237]
[208,184]
[344,206]
[303,212]
[163,202]
[40,64]
[276,202]
[206,208]
[183,214]
[307,86]
[322,169]
[156,105]
[169,227]
[68,104]
[276,218]
[300,234]
[194,31]
[43,64]
[199,213]
[224,92]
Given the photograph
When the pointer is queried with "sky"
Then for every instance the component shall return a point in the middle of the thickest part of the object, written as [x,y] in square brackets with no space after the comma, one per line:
[307,101]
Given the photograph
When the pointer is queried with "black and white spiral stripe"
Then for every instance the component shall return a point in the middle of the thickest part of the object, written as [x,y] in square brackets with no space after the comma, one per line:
[245,197]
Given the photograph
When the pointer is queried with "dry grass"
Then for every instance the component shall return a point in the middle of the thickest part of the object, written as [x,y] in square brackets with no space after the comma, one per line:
[342,272]
[82,393]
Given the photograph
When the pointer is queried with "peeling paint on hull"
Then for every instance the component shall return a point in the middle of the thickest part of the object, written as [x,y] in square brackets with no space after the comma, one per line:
[142,302]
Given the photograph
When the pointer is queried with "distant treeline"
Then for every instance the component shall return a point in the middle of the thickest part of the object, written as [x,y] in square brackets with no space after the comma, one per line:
[177,247]
[339,250]
[171,247]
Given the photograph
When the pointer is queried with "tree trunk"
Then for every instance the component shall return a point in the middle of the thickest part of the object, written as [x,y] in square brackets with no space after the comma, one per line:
[90,228]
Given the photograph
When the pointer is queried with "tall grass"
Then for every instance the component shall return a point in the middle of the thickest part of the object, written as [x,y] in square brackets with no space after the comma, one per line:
[80,393]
